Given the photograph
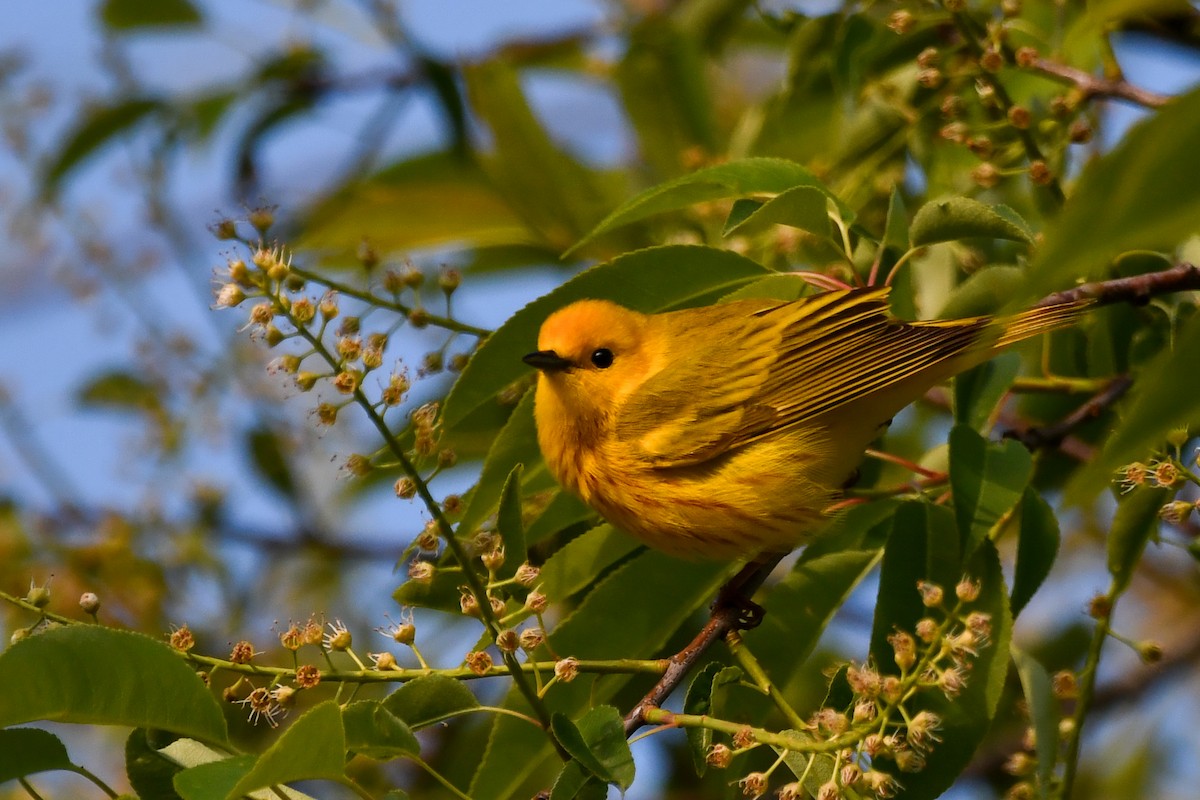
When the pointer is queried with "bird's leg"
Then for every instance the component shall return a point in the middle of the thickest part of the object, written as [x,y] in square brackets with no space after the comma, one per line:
[737,592]
[732,610]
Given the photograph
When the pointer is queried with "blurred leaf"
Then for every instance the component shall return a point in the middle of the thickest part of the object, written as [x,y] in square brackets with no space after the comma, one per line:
[955,218]
[119,390]
[750,176]
[663,84]
[979,390]
[204,113]
[375,732]
[91,131]
[803,207]
[1165,396]
[698,700]
[428,201]
[1135,521]
[130,680]
[508,523]
[597,743]
[312,747]
[1043,714]
[515,446]
[150,773]
[26,751]
[895,232]
[441,593]
[654,279]
[123,15]
[553,193]
[1037,548]
[270,461]
[987,479]
[429,699]
[982,293]
[1139,196]
[564,510]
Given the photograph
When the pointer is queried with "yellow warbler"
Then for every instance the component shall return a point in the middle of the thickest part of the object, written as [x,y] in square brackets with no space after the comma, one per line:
[726,431]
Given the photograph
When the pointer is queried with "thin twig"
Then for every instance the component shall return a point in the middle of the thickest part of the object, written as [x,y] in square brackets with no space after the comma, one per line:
[1136,289]
[1052,435]
[1095,86]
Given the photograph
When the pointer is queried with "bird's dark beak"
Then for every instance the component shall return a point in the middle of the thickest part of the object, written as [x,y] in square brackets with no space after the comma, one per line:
[547,361]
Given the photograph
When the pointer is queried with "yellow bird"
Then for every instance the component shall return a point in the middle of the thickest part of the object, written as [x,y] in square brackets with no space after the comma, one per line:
[726,431]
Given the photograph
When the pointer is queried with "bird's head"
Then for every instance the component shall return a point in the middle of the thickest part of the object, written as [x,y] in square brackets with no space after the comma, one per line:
[593,354]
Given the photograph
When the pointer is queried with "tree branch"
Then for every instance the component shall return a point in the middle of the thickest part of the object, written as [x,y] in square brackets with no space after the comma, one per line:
[1095,86]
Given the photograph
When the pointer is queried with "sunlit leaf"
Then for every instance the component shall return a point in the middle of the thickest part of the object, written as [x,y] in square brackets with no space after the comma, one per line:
[150,773]
[1135,521]
[119,390]
[957,218]
[698,701]
[763,177]
[130,680]
[312,747]
[1044,713]
[429,699]
[94,129]
[375,732]
[978,391]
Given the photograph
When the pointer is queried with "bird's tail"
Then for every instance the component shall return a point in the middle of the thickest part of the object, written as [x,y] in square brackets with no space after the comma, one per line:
[1043,319]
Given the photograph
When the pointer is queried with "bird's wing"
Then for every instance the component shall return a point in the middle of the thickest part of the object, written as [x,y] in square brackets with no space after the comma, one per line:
[786,364]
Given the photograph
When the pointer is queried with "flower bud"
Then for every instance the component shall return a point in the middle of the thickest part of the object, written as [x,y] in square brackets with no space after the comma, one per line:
[532,638]
[719,756]
[527,574]
[509,641]
[90,603]
[449,280]
[406,488]
[566,669]
[479,662]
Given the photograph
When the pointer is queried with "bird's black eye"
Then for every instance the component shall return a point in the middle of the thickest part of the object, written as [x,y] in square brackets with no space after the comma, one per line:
[602,358]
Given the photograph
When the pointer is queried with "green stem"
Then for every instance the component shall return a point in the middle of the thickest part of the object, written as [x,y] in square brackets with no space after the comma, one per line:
[392,305]
[94,778]
[28,787]
[749,663]
[1087,692]
[354,787]
[439,778]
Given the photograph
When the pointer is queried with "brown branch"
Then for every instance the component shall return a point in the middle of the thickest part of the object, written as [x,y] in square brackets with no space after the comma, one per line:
[1136,289]
[732,611]
[1053,435]
[1095,86]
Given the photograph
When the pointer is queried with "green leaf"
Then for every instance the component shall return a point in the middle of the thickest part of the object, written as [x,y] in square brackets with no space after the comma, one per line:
[921,547]
[804,207]
[1036,548]
[698,700]
[514,447]
[130,679]
[1043,712]
[214,780]
[745,177]
[1165,396]
[654,279]
[270,460]
[124,15]
[150,773]
[895,230]
[577,564]
[375,732]
[312,747]
[27,751]
[556,195]
[1139,196]
[1132,526]
[574,782]
[984,292]
[957,218]
[95,128]
[636,608]
[987,478]
[119,390]
[429,699]
[665,92]
[598,743]
[508,523]
[428,201]
[978,391]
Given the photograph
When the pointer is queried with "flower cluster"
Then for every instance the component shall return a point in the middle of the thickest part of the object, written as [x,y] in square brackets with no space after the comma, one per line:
[890,725]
